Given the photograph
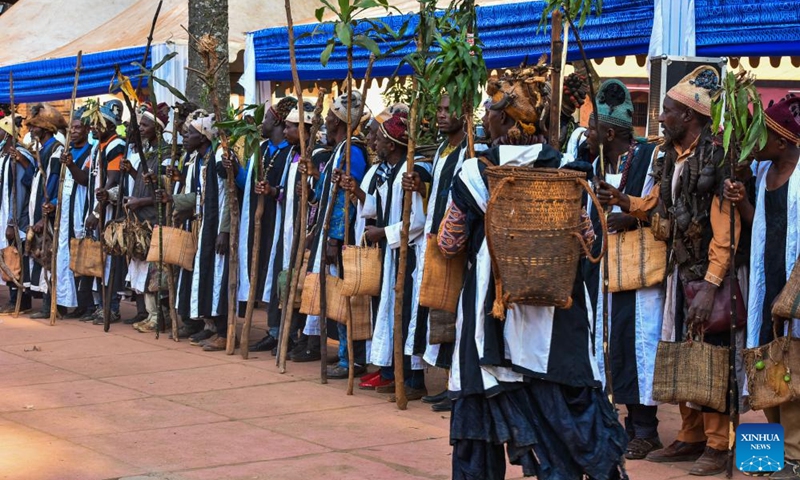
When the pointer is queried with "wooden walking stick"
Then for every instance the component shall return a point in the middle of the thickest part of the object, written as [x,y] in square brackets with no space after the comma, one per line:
[258,175]
[167,220]
[557,54]
[295,274]
[14,203]
[350,131]
[206,46]
[57,223]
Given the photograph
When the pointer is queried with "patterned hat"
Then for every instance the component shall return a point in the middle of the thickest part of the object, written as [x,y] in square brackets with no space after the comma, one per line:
[5,124]
[387,114]
[308,114]
[523,93]
[283,108]
[339,107]
[204,124]
[161,115]
[783,118]
[614,105]
[697,89]
[396,128]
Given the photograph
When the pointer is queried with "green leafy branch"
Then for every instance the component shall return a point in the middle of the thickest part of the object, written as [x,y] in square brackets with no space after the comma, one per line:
[244,127]
[738,111]
[346,24]
[572,9]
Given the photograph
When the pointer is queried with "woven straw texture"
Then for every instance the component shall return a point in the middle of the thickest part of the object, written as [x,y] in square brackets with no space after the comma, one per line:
[768,387]
[691,371]
[442,278]
[361,267]
[787,305]
[180,247]
[635,260]
[533,230]
[14,263]
[86,257]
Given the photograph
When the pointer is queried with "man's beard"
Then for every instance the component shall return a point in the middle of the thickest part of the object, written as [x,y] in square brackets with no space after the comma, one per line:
[674,135]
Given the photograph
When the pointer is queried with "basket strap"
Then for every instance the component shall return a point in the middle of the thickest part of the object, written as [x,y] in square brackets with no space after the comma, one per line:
[499,307]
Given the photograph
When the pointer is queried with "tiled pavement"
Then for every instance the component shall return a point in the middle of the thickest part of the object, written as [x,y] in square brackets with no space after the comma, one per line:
[92,405]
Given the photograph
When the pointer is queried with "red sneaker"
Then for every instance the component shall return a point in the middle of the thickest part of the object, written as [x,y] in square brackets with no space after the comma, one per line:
[370,376]
[374,383]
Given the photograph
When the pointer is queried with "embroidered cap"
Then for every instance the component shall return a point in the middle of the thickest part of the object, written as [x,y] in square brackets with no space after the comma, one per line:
[387,114]
[205,125]
[308,114]
[783,118]
[697,89]
[339,107]
[396,128]
[614,105]
[283,108]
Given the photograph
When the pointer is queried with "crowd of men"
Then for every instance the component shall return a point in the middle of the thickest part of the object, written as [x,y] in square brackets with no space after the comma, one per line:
[529,386]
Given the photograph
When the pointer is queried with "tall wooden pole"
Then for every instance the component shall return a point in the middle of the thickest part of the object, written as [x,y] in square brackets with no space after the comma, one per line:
[300,232]
[57,224]
[557,53]
[255,257]
[733,381]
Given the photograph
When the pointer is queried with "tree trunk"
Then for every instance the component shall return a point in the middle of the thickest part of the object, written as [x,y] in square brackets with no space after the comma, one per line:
[209,17]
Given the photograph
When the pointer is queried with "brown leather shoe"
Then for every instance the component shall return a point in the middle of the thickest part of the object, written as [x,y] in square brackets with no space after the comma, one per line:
[215,345]
[677,452]
[711,463]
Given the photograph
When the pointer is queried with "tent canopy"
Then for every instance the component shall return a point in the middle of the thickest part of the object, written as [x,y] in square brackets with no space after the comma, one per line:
[510,34]
[109,32]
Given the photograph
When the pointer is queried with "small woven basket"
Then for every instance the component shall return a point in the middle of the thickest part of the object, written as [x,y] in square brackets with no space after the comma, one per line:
[362,268]
[86,257]
[787,305]
[180,247]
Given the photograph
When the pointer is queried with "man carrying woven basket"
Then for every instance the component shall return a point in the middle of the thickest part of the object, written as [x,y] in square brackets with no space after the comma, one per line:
[689,200]
[774,250]
[540,357]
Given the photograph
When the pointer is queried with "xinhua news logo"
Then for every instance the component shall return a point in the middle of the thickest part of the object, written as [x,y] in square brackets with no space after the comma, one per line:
[759,447]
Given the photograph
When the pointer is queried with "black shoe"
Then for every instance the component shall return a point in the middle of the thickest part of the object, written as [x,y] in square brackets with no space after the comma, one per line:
[291,348]
[340,372]
[298,348]
[77,313]
[434,399]
[88,316]
[138,318]
[39,315]
[186,331]
[200,336]
[266,344]
[444,406]
[113,318]
[306,356]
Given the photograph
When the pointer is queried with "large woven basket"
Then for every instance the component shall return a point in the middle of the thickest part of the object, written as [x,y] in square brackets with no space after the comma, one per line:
[180,247]
[310,300]
[86,257]
[534,234]
[691,371]
[360,312]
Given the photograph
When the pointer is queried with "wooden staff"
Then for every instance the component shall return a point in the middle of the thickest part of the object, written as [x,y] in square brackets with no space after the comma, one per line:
[57,224]
[258,175]
[295,274]
[14,204]
[167,220]
[557,53]
[606,353]
[348,309]
[733,381]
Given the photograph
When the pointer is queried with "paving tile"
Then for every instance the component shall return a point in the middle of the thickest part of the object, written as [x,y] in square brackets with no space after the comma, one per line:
[13,433]
[136,363]
[95,346]
[330,466]
[218,377]
[62,394]
[33,373]
[34,332]
[430,457]
[198,446]
[11,359]
[271,400]
[335,428]
[116,417]
[59,460]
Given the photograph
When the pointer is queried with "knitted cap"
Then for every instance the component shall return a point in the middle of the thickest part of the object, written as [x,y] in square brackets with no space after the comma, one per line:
[783,118]
[387,114]
[614,105]
[697,89]
[396,128]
